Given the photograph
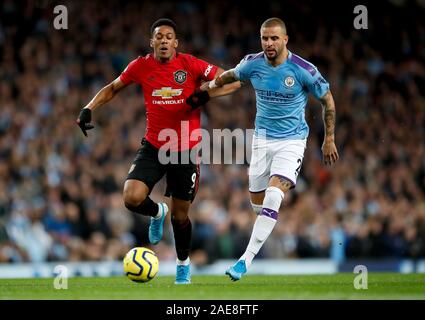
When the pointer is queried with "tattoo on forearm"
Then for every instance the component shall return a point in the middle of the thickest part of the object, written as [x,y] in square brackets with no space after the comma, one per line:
[329,121]
[228,77]
[328,114]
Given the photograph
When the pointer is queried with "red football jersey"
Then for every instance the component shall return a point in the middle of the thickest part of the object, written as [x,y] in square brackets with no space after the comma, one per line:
[166,86]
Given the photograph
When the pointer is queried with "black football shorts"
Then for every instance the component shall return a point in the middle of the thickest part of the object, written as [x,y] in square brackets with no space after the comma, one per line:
[182,179]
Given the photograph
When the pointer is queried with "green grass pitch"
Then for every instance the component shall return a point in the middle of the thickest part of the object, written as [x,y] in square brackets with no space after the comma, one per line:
[254,287]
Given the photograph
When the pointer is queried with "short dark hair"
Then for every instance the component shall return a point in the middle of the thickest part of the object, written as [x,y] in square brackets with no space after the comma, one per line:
[164,22]
[274,22]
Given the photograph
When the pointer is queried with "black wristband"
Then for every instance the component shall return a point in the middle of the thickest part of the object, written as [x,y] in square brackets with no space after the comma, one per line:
[197,99]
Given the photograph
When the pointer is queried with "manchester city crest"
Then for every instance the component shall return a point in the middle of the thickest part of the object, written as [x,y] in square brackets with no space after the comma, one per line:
[289,81]
[180,76]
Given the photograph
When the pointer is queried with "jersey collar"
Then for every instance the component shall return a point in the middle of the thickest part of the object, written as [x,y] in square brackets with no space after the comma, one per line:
[280,65]
[176,54]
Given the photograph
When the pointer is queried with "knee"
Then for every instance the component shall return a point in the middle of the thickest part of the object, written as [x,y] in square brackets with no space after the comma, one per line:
[281,183]
[180,210]
[179,215]
[132,199]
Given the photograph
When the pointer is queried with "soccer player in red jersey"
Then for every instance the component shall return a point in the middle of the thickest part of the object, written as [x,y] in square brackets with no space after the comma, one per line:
[167,79]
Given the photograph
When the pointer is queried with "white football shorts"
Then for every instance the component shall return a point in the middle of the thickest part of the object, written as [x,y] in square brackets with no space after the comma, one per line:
[274,157]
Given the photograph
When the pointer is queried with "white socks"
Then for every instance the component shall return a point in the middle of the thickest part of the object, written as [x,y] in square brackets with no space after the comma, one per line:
[273,199]
[160,211]
[264,224]
[184,262]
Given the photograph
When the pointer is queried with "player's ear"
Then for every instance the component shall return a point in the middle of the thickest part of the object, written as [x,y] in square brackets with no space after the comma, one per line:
[285,39]
[151,43]
[176,43]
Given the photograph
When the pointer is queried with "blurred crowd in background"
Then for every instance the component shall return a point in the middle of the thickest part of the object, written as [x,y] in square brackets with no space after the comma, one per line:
[61,193]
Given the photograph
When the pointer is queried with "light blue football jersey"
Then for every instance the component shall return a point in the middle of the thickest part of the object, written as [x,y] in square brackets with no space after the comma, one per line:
[281,93]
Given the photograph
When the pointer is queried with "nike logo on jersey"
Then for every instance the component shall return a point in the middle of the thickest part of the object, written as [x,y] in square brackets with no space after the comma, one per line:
[208,70]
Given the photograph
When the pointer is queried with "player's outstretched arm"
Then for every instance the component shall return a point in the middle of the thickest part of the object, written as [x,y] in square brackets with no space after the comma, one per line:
[330,152]
[226,85]
[224,78]
[226,89]
[102,97]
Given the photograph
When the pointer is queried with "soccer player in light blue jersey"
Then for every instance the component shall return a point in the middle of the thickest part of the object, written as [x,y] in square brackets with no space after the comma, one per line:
[282,82]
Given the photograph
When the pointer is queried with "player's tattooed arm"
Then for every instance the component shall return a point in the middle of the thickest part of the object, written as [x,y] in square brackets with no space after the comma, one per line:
[328,110]
[224,87]
[330,152]
[228,76]
[222,78]
[210,90]
[224,90]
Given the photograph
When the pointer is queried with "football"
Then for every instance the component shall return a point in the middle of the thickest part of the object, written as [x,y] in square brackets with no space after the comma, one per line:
[141,264]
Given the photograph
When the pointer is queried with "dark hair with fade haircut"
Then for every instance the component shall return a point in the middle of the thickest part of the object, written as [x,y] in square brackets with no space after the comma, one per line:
[274,22]
[164,22]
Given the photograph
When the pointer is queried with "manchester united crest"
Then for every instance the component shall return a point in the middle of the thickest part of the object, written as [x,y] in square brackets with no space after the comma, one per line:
[180,76]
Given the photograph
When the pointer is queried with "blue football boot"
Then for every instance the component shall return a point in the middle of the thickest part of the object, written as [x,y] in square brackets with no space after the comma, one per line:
[236,271]
[183,274]
[157,225]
